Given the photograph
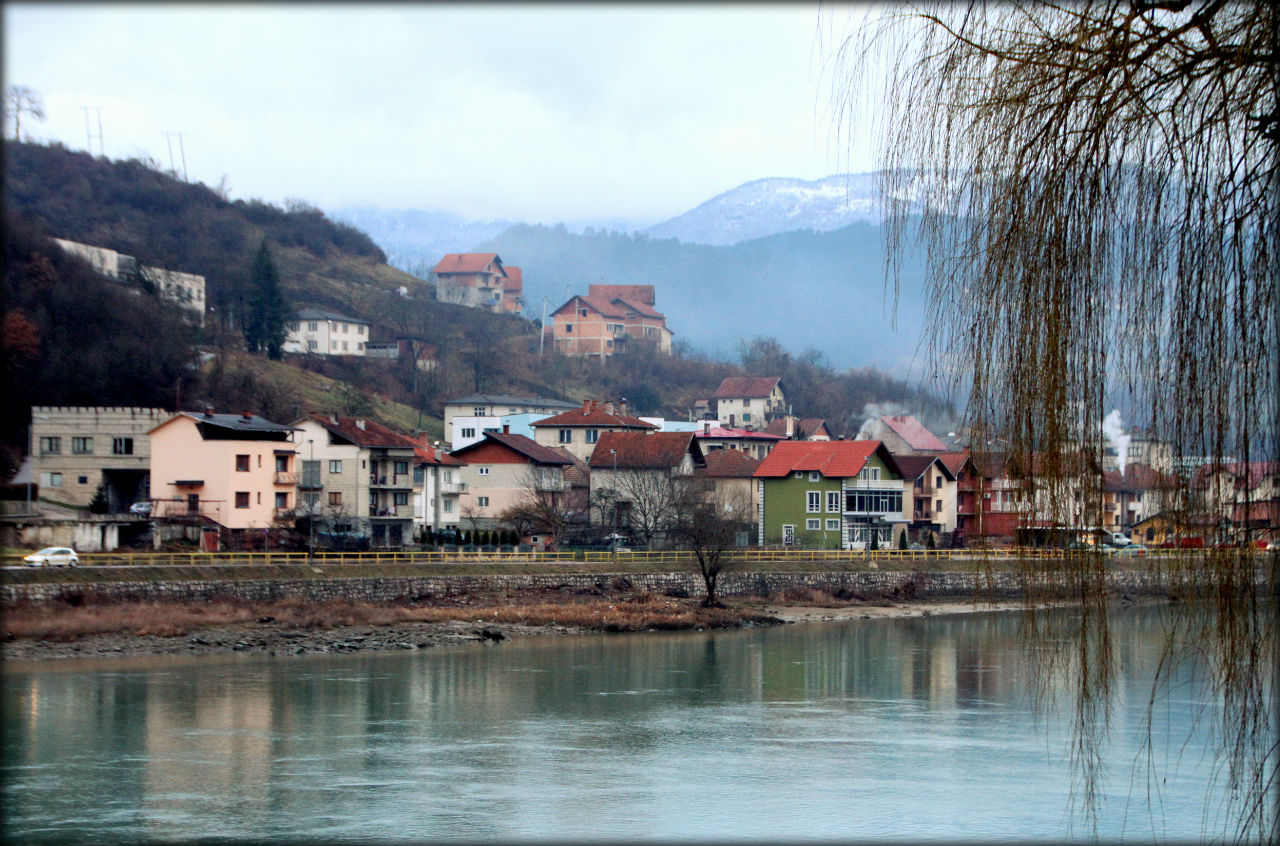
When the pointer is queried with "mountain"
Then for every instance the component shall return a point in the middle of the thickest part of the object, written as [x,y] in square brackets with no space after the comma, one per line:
[415,239]
[773,206]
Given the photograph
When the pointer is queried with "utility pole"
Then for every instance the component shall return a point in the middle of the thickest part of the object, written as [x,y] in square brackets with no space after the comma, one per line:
[89,136]
[542,336]
[181,151]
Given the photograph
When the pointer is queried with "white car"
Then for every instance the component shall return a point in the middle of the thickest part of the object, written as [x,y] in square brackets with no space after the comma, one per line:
[142,509]
[53,556]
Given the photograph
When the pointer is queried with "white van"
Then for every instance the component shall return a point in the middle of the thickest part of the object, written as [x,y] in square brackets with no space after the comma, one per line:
[1115,538]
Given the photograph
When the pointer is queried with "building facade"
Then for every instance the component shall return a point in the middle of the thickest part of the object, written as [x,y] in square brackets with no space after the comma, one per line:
[78,449]
[319,332]
[478,280]
[608,320]
[749,401]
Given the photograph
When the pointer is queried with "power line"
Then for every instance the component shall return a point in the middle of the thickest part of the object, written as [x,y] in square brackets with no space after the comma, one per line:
[89,135]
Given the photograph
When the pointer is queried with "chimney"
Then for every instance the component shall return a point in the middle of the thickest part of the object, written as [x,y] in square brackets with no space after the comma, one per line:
[506,428]
[608,406]
[360,425]
[333,419]
[208,412]
[791,427]
[706,427]
[586,406]
[622,405]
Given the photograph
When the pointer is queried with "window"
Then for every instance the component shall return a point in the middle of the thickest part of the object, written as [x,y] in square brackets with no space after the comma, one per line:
[566,436]
[312,326]
[833,501]
[293,326]
[937,507]
[311,474]
[833,525]
[282,464]
[335,465]
[400,468]
[282,500]
[344,346]
[568,328]
[448,506]
[242,499]
[419,474]
[50,446]
[335,499]
[869,473]
[446,476]
[746,417]
[55,480]
[360,330]
[311,344]
[122,446]
[814,475]
[83,480]
[582,312]
[813,524]
[400,498]
[593,435]
[484,471]
[82,446]
[333,345]
[937,481]
[242,464]
[815,502]
[799,474]
[468,431]
[482,501]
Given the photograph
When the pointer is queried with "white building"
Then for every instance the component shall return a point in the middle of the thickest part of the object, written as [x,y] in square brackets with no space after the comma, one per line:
[185,289]
[325,333]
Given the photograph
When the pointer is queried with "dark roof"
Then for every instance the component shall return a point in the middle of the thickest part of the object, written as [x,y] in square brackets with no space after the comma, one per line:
[805,427]
[246,422]
[644,451]
[912,466]
[520,444]
[730,464]
[746,387]
[507,399]
[319,314]
[362,432]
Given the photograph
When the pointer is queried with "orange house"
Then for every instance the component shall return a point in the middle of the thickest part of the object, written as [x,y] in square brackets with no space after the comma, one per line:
[479,280]
[608,319]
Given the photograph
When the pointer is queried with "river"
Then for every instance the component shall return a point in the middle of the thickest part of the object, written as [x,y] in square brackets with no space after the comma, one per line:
[905,729]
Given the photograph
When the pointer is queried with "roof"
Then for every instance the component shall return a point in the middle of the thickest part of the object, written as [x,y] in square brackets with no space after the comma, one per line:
[913,466]
[833,459]
[617,307]
[1244,475]
[362,431]
[954,460]
[514,282]
[746,386]
[430,455]
[1138,477]
[521,444]
[246,422]
[725,433]
[469,263]
[730,464]
[320,314]
[591,415]
[642,294]
[507,399]
[914,433]
[577,474]
[804,427]
[644,451]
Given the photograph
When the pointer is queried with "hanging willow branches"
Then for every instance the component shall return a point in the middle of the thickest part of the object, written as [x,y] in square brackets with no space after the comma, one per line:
[1096,187]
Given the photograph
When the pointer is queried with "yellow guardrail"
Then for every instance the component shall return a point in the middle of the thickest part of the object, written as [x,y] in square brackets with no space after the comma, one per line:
[654,559]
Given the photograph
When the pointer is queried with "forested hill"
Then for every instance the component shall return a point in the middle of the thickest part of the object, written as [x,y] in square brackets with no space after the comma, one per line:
[135,208]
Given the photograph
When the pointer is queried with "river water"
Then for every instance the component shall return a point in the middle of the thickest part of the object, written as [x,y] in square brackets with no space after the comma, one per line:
[906,729]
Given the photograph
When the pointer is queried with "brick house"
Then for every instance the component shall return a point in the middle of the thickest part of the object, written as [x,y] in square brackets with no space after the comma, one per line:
[580,430]
[478,280]
[607,320]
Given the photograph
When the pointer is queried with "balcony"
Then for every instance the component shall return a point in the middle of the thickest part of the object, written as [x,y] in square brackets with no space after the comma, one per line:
[287,478]
[391,512]
[453,488]
[550,485]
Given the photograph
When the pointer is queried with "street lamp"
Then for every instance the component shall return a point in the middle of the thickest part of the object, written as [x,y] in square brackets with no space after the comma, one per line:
[614,543]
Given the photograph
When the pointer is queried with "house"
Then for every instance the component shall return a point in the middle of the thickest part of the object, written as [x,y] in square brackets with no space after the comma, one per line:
[478,280]
[78,449]
[749,401]
[580,430]
[799,428]
[607,320]
[437,483]
[1243,495]
[185,289]
[466,431]
[930,487]
[729,478]
[232,472]
[502,470]
[903,435]
[635,479]
[498,405]
[830,495]
[318,332]
[1140,491]
[366,473]
[713,438]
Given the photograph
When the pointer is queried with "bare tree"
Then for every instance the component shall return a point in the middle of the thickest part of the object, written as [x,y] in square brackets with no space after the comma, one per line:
[647,502]
[20,100]
[544,508]
[709,527]
[1096,187]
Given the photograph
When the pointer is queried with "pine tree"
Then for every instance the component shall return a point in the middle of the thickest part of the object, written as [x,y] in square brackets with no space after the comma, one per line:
[264,330]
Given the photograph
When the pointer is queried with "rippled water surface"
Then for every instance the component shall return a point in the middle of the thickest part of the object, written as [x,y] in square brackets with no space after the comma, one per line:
[904,729]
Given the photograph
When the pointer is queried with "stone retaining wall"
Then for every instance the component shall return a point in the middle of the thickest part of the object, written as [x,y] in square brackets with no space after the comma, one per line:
[862,585]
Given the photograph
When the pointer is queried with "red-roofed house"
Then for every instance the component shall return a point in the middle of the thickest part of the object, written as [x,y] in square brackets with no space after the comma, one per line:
[830,495]
[749,401]
[636,480]
[608,319]
[437,478]
[903,435]
[476,280]
[364,476]
[512,290]
[714,438]
[580,429]
[799,428]
[931,486]
[501,470]
[729,478]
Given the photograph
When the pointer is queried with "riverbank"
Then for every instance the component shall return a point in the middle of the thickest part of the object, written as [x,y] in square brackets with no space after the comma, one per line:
[158,627]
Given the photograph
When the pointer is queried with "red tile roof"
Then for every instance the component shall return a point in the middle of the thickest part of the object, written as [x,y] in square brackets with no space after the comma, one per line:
[362,432]
[468,263]
[592,415]
[430,455]
[643,451]
[514,283]
[746,387]
[520,444]
[635,293]
[1138,477]
[833,459]
[914,433]
[730,464]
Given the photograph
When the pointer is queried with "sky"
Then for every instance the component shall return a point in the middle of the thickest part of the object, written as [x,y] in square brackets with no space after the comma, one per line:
[536,113]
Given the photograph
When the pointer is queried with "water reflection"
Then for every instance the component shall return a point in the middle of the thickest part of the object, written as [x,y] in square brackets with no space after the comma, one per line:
[909,729]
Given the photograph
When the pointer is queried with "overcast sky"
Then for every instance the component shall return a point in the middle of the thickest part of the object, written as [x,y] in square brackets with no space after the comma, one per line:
[540,113]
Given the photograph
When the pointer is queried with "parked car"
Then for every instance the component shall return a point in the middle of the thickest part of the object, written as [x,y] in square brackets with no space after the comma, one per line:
[53,556]
[1133,550]
[142,509]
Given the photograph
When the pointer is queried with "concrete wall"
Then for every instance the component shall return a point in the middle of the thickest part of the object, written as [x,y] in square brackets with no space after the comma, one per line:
[872,585]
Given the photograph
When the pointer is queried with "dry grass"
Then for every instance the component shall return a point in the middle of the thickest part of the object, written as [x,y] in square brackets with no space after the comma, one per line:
[624,612]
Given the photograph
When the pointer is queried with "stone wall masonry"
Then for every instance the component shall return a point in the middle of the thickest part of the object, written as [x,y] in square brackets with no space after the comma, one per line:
[896,585]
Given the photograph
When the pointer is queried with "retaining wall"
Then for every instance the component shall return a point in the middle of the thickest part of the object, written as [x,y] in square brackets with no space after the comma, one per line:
[862,585]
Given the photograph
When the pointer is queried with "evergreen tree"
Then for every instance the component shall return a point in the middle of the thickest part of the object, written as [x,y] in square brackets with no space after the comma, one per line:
[264,330]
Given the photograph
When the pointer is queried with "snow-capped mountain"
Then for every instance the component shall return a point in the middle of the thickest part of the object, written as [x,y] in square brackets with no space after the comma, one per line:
[772,206]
